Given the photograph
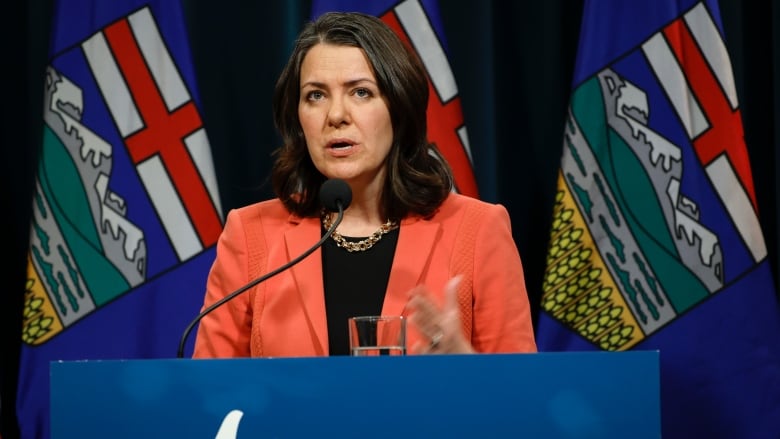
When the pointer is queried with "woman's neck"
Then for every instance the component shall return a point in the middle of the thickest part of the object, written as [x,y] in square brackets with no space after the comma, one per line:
[363,216]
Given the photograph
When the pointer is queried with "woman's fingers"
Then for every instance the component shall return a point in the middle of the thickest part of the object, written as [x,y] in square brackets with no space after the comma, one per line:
[425,313]
[451,294]
[440,325]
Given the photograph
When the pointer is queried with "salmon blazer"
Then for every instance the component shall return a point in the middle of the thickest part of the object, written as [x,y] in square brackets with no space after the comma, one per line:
[285,315]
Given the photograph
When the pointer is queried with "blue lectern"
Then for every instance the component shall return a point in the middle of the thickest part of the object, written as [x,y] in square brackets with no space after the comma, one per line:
[545,395]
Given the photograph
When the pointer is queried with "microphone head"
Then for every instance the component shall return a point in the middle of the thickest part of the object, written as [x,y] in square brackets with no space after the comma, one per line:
[335,192]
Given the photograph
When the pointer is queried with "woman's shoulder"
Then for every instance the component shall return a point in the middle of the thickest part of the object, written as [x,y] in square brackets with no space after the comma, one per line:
[458,208]
[266,211]
[274,205]
[457,202]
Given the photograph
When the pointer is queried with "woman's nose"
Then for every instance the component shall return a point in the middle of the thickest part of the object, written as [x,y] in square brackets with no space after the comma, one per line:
[338,112]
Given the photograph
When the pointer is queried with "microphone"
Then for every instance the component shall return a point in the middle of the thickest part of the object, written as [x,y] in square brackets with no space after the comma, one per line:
[335,196]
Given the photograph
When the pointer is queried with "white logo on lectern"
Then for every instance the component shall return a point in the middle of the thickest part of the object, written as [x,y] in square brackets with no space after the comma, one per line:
[229,427]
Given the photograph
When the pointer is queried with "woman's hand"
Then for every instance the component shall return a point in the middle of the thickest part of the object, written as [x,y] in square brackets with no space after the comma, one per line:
[440,325]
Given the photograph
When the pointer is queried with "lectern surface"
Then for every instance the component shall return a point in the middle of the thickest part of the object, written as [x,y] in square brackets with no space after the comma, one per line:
[550,395]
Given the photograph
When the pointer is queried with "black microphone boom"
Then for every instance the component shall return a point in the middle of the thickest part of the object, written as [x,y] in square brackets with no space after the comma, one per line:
[335,195]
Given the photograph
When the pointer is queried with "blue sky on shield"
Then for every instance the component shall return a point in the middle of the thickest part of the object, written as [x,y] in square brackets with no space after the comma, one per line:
[379,7]
[604,38]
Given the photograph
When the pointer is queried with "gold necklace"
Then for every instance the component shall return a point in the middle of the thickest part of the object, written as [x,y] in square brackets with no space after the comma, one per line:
[362,245]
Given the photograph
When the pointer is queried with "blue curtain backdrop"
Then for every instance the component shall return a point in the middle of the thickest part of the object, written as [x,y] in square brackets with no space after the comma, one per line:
[513,62]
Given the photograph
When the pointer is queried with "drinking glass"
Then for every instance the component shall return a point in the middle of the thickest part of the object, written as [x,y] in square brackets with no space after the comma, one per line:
[377,335]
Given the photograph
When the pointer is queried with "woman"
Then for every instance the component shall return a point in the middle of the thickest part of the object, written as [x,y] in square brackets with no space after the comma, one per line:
[351,104]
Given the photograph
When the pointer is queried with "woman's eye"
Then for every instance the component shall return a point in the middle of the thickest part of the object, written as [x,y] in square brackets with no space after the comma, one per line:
[363,93]
[314,95]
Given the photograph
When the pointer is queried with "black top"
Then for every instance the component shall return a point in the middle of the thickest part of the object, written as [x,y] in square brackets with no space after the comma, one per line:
[355,284]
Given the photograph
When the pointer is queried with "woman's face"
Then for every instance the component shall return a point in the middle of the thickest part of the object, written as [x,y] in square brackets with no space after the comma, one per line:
[345,119]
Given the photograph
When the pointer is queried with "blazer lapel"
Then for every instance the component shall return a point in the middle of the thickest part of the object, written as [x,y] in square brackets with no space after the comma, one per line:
[415,244]
[308,275]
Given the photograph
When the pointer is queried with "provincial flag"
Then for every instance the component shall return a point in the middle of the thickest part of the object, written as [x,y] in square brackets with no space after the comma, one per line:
[655,242]
[126,210]
[419,25]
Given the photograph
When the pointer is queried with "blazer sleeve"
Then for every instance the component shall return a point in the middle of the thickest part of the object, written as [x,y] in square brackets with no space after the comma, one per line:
[501,312]
[225,332]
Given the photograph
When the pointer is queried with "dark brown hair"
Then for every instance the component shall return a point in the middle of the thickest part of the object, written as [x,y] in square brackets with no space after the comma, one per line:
[418,179]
